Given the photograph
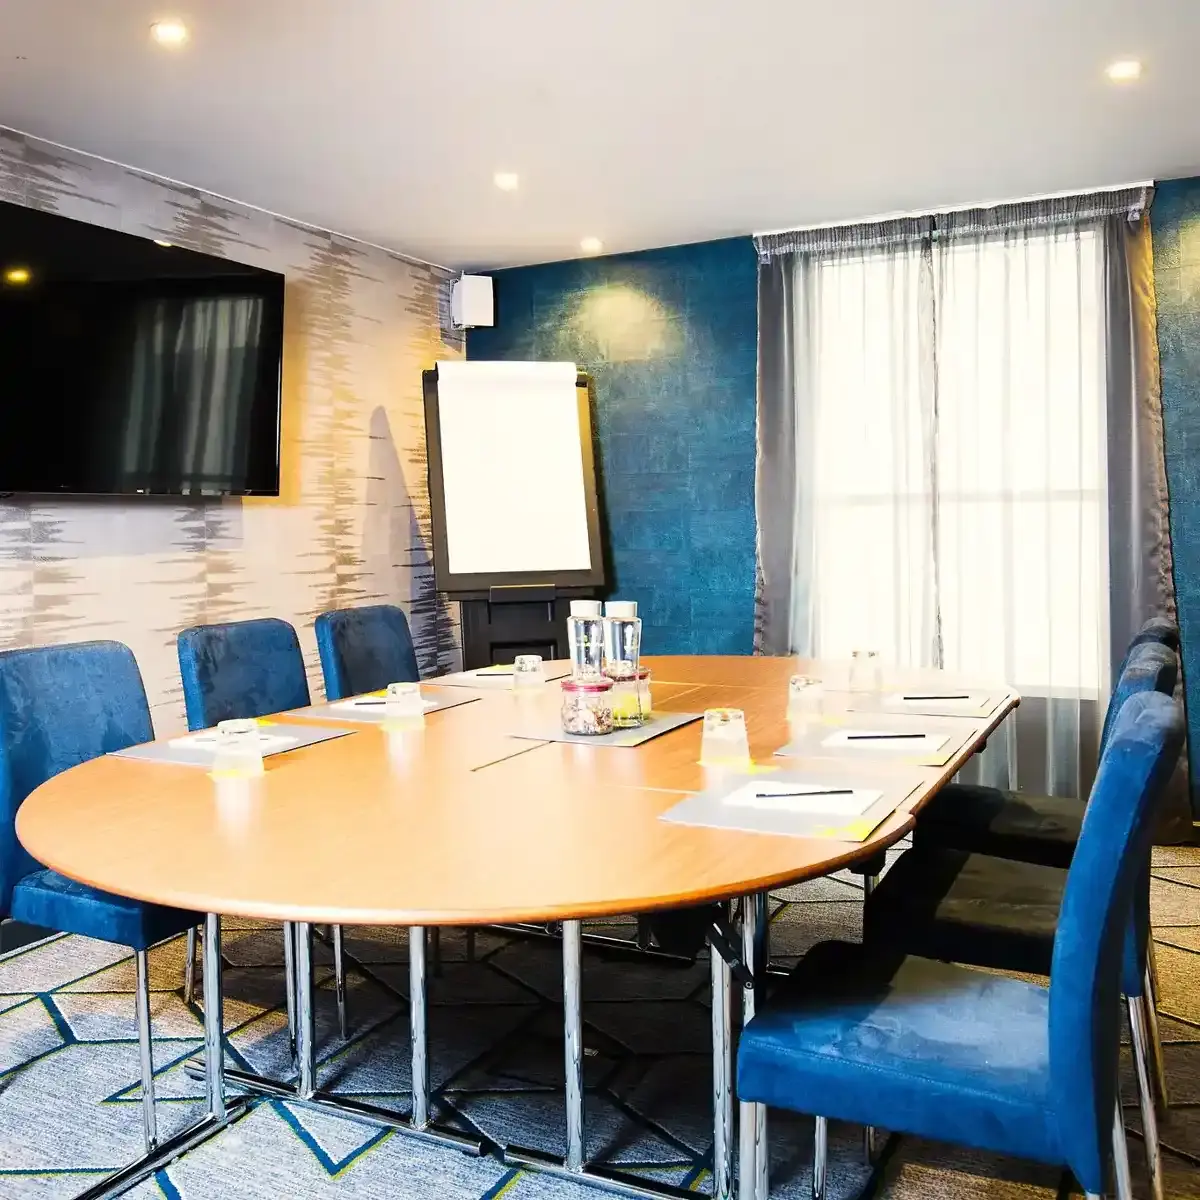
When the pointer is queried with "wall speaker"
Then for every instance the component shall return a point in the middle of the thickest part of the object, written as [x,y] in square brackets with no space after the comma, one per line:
[471,305]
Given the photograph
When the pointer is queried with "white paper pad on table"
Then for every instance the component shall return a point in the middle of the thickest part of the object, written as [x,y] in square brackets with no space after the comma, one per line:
[496,678]
[833,804]
[268,743]
[733,803]
[373,706]
[372,702]
[945,701]
[887,741]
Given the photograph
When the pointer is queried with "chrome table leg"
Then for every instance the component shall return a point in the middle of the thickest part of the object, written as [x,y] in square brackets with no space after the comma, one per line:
[573,1041]
[722,1068]
[146,1050]
[416,1018]
[339,979]
[306,1054]
[189,967]
[753,1165]
[289,978]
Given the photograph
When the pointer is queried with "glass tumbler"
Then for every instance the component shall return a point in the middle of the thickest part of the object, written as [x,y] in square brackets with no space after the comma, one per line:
[724,742]
[528,671]
[806,696]
[404,702]
[866,674]
[239,748]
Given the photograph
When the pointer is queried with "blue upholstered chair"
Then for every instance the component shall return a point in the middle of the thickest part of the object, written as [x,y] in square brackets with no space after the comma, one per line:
[365,649]
[873,1035]
[1029,828]
[995,912]
[240,670]
[61,706]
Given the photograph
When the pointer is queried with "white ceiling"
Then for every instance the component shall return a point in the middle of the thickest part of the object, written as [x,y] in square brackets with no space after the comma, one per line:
[643,122]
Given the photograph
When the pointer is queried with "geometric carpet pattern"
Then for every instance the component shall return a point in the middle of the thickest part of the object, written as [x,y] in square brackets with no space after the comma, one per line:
[70,1093]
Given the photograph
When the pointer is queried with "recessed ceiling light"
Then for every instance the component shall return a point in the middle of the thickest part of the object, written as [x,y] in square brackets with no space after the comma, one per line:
[169,33]
[591,245]
[1124,70]
[507,181]
[17,275]
[161,242]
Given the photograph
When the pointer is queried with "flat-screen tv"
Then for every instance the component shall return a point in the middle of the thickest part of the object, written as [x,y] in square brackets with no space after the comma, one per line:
[133,367]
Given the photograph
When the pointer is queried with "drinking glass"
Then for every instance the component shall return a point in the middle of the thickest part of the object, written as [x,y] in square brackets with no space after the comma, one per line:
[806,698]
[239,748]
[724,742]
[528,672]
[404,701]
[866,674]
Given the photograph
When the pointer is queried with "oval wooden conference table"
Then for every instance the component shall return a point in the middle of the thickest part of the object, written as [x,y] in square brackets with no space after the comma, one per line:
[460,822]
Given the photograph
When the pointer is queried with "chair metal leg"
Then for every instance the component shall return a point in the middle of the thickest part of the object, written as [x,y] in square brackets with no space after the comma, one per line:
[820,1157]
[149,1121]
[1142,1055]
[870,1148]
[339,979]
[1124,1181]
[1158,1062]
[189,967]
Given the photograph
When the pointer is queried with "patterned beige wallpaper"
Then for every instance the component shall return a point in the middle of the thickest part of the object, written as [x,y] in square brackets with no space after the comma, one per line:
[352,523]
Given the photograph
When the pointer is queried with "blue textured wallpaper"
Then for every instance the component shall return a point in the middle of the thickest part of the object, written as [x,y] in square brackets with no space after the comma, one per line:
[669,338]
[1175,222]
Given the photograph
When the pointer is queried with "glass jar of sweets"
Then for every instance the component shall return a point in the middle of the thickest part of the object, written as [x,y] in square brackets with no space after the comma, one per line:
[587,707]
[631,700]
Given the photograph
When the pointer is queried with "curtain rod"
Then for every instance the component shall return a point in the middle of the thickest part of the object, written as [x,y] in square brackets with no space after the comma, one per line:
[917,213]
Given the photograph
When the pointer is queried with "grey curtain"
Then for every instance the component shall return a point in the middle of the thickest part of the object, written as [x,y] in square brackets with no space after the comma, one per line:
[1140,558]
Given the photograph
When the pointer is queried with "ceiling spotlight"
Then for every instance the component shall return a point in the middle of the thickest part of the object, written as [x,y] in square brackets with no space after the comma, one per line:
[506,181]
[169,33]
[1124,70]
[591,245]
[17,275]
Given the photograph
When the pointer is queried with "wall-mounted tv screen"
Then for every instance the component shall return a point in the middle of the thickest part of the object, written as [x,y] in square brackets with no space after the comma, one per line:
[130,366]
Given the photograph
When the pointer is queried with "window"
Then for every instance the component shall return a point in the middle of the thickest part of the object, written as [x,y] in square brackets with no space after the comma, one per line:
[953,457]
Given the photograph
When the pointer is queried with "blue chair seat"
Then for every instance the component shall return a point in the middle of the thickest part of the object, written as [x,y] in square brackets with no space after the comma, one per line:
[963,1055]
[967,908]
[988,820]
[51,900]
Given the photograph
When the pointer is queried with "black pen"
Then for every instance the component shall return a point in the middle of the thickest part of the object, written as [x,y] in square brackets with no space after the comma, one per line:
[881,737]
[364,703]
[823,792]
[961,697]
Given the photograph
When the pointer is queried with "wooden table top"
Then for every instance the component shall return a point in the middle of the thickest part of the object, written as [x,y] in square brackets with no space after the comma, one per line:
[457,823]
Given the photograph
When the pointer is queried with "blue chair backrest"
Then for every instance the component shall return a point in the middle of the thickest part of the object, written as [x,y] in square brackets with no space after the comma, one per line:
[1157,629]
[1108,867]
[243,669]
[365,649]
[1150,665]
[60,706]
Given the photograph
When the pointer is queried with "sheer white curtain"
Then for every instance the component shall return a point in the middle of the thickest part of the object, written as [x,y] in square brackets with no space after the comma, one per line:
[950,499]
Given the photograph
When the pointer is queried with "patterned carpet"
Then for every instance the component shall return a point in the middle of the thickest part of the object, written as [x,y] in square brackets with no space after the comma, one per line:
[69,1096]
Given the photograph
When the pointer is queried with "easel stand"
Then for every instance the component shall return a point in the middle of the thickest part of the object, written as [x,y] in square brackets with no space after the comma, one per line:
[524,619]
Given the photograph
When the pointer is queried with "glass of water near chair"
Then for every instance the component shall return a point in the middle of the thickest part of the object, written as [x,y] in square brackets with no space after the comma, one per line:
[245,670]
[883,1036]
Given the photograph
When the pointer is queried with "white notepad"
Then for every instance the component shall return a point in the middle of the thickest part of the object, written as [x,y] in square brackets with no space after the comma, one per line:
[812,799]
[268,743]
[889,741]
[373,703]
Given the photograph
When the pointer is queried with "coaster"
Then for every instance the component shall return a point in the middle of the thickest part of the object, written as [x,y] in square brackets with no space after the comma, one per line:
[852,809]
[372,707]
[200,749]
[656,724]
